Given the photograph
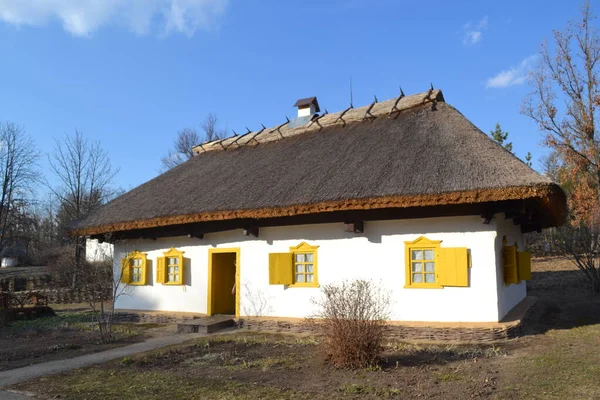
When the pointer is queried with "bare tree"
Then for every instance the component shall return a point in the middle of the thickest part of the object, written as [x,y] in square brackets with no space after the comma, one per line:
[85,174]
[564,103]
[187,138]
[18,161]
[211,129]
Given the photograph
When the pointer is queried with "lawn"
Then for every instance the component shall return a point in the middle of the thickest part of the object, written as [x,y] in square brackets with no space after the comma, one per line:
[67,334]
[556,358]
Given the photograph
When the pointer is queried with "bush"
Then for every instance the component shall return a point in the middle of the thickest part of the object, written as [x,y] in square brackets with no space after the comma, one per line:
[351,319]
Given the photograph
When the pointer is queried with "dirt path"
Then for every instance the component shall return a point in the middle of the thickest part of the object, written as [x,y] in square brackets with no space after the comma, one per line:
[13,376]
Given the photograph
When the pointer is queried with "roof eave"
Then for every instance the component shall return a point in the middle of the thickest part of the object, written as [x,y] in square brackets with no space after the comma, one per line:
[550,196]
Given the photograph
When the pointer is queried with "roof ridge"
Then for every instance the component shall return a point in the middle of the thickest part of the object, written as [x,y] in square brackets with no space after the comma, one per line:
[371,111]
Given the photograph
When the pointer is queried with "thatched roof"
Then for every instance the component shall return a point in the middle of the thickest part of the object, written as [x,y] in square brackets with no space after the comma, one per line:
[410,152]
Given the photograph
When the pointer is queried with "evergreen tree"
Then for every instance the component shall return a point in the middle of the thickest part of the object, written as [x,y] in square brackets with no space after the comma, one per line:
[501,137]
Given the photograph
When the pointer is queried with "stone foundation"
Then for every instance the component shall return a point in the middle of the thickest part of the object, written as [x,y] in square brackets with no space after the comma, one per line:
[400,332]
[510,327]
[152,317]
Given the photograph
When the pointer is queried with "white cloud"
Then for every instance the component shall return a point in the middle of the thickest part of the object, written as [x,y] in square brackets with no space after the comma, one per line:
[512,76]
[473,33]
[83,17]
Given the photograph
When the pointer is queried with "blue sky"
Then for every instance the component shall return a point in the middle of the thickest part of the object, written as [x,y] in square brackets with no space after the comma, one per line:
[131,73]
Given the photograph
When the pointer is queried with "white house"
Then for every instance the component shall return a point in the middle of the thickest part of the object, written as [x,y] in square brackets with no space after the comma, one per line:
[406,192]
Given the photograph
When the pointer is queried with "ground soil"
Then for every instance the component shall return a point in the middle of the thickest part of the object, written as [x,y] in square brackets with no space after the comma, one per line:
[556,358]
[66,335]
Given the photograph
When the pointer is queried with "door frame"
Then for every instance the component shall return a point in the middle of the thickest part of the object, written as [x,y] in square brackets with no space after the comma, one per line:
[236,250]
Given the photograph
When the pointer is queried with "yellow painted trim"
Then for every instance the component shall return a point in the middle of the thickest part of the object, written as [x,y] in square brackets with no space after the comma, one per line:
[235,250]
[134,255]
[421,243]
[304,248]
[173,252]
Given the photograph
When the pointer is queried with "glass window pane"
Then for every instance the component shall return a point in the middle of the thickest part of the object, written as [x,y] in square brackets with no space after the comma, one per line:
[417,254]
[309,257]
[170,270]
[428,254]
[417,278]
[173,260]
[309,268]
[309,278]
[429,267]
[176,278]
[176,269]
[430,278]
[299,278]
[299,268]
[299,257]
[417,267]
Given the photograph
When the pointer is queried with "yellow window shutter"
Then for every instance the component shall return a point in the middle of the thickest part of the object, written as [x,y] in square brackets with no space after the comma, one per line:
[160,270]
[509,258]
[453,268]
[524,258]
[280,269]
[125,270]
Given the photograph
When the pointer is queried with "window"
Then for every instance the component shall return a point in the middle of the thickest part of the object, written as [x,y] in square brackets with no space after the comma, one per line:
[137,270]
[430,266]
[169,269]
[133,269]
[173,269]
[422,265]
[422,269]
[305,264]
[298,268]
[516,264]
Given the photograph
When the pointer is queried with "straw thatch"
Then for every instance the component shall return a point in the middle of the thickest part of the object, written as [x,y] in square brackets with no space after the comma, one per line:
[415,152]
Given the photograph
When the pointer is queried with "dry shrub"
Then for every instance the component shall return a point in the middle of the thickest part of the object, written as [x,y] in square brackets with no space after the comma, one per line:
[351,318]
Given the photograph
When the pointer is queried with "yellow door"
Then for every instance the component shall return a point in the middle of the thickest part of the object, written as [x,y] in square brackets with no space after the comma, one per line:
[223,281]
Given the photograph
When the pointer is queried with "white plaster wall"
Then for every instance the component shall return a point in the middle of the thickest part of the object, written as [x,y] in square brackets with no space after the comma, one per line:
[511,295]
[96,251]
[378,254]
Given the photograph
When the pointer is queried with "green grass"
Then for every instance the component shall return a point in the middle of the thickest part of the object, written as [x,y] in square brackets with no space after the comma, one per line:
[97,384]
[569,370]
[49,323]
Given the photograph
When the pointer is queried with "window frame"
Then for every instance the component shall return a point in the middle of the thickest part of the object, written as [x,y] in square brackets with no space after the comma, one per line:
[305,248]
[422,243]
[137,255]
[173,253]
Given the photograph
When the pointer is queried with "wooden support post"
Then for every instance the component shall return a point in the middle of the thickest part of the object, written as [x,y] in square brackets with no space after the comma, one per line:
[355,226]
[251,230]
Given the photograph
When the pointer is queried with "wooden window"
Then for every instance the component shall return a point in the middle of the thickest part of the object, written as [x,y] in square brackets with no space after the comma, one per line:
[430,266]
[133,269]
[305,265]
[298,268]
[170,268]
[516,265]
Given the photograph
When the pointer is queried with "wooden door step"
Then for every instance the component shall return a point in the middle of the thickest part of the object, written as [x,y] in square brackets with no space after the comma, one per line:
[206,324]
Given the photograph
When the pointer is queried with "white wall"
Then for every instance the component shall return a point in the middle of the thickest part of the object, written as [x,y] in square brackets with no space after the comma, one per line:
[96,251]
[511,295]
[378,254]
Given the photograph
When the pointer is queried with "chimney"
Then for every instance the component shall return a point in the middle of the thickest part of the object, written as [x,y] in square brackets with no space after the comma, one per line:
[307,107]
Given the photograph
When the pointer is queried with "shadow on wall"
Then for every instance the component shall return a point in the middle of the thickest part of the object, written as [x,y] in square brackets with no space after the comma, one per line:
[374,230]
[255,302]
[187,271]
[565,301]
